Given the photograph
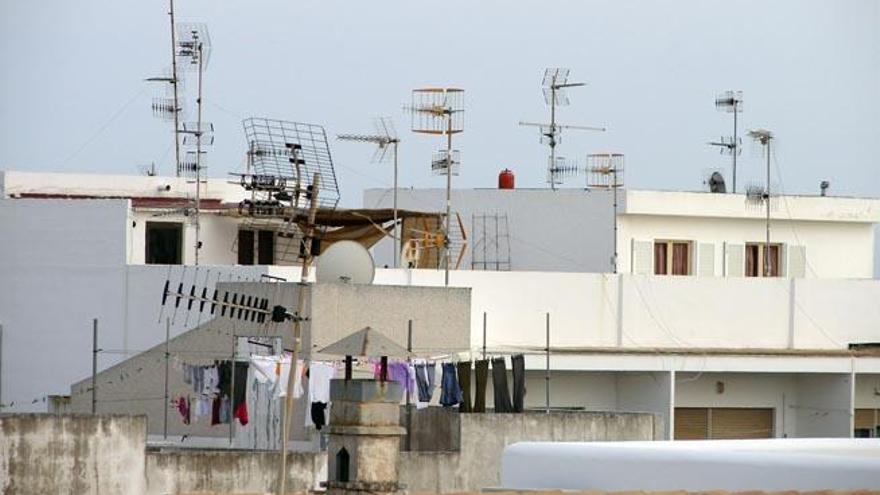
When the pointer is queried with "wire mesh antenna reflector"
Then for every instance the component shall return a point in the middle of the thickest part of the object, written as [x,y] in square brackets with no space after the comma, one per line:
[283,159]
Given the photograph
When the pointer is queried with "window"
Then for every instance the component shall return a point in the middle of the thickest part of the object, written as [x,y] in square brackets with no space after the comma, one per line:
[164,243]
[755,253]
[343,467]
[245,247]
[672,257]
[266,247]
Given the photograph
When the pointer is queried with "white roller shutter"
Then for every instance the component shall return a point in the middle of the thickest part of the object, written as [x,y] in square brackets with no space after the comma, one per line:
[797,261]
[642,261]
[735,262]
[706,260]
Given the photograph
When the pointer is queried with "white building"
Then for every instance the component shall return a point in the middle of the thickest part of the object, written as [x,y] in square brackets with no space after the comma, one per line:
[716,353]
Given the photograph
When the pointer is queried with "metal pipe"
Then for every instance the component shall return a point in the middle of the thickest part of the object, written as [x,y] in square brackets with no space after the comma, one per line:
[232,393]
[174,85]
[547,372]
[614,187]
[167,355]
[398,245]
[199,158]
[409,327]
[553,135]
[94,365]
[297,329]
[735,143]
[767,240]
[448,194]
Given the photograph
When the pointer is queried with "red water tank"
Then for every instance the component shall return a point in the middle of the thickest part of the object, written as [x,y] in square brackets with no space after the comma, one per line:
[506,179]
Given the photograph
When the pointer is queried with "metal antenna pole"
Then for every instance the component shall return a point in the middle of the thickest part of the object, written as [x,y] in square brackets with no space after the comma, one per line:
[174,86]
[297,326]
[614,188]
[94,365]
[409,328]
[167,355]
[232,392]
[398,245]
[767,240]
[553,135]
[547,372]
[735,143]
[199,157]
[448,194]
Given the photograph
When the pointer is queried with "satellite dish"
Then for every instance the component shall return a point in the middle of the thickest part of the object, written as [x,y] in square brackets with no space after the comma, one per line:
[716,183]
[346,261]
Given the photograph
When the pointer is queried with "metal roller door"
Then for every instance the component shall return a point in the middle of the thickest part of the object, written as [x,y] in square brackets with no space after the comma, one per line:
[700,423]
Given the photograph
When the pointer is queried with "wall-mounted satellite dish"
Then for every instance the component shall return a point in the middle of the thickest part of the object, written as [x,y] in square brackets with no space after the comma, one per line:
[346,261]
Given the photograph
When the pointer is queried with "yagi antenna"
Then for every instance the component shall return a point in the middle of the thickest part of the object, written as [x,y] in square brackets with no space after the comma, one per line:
[555,84]
[385,138]
[756,195]
[730,102]
[440,111]
[605,171]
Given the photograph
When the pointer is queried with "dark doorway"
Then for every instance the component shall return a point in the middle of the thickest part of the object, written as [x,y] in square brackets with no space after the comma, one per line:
[267,247]
[342,465]
[245,247]
[164,243]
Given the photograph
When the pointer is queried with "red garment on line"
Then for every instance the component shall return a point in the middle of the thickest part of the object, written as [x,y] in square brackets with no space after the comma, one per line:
[241,412]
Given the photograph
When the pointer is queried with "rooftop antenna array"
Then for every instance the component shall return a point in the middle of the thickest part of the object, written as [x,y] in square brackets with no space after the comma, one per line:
[555,85]
[385,138]
[759,195]
[440,111]
[730,102]
[169,107]
[283,160]
[605,171]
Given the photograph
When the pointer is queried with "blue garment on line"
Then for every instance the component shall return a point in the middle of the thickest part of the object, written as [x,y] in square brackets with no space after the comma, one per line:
[425,381]
[450,392]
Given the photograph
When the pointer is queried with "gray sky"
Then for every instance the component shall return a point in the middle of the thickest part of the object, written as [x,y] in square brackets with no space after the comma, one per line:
[72,96]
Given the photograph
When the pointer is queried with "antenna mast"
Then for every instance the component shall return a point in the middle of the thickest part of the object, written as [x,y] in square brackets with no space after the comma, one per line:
[605,171]
[440,111]
[555,83]
[384,138]
[730,102]
[764,137]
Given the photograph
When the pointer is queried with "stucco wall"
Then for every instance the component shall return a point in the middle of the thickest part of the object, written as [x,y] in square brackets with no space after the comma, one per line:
[484,436]
[72,454]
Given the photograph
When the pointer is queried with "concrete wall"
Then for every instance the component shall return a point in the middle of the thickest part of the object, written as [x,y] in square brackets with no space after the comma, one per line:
[652,392]
[72,454]
[188,471]
[484,436]
[825,405]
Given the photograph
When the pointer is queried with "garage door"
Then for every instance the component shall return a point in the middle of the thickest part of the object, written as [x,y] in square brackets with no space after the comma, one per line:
[699,423]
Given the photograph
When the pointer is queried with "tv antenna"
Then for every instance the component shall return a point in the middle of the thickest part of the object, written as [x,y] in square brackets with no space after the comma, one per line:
[194,49]
[730,102]
[440,111]
[169,106]
[759,195]
[385,138]
[555,84]
[605,171]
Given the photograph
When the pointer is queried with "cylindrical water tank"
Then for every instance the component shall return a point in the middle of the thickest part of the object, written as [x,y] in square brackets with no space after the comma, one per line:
[506,179]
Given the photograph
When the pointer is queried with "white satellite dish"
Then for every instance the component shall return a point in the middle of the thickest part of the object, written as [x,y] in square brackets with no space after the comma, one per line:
[346,261]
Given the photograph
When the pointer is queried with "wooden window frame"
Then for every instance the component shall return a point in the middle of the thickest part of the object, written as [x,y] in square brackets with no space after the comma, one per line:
[760,261]
[670,250]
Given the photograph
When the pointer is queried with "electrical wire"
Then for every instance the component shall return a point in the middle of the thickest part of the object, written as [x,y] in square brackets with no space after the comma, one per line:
[106,124]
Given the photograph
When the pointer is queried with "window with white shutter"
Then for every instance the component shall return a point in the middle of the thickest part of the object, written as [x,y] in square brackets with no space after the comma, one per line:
[735,259]
[706,259]
[642,261]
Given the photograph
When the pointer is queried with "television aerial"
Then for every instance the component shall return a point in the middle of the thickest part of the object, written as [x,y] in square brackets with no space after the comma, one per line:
[440,111]
[605,171]
[730,102]
[345,261]
[385,138]
[758,195]
[555,84]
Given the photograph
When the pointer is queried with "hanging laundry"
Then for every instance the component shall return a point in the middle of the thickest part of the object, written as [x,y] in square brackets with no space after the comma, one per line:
[265,369]
[284,376]
[225,416]
[398,371]
[318,414]
[464,381]
[320,374]
[188,374]
[499,385]
[450,392]
[239,401]
[424,374]
[202,407]
[518,363]
[183,409]
[482,377]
